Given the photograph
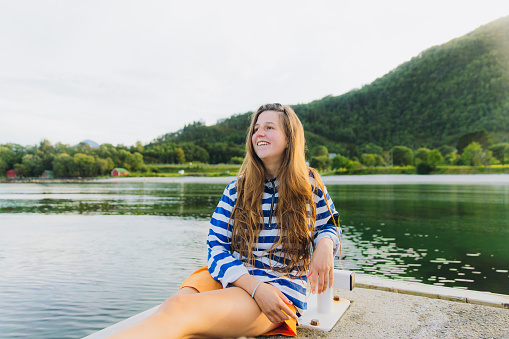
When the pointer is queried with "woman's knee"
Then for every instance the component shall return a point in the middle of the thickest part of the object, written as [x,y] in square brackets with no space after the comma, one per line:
[175,305]
[172,317]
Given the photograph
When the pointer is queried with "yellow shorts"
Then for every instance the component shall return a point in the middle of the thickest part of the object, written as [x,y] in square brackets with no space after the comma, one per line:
[202,281]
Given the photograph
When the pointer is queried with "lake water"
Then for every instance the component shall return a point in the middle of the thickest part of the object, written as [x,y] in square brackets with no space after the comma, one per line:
[77,257]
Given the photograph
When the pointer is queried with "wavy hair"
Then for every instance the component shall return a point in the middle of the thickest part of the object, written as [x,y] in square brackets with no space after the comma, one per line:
[295,211]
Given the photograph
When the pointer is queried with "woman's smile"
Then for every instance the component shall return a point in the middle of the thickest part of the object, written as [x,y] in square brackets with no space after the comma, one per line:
[269,139]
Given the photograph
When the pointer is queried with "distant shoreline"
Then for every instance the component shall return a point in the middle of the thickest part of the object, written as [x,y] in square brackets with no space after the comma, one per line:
[372,179]
[43,181]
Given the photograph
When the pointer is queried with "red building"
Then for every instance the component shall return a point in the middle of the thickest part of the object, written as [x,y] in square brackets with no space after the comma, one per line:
[118,172]
[11,174]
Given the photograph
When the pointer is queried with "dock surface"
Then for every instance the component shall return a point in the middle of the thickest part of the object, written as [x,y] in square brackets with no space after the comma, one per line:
[384,308]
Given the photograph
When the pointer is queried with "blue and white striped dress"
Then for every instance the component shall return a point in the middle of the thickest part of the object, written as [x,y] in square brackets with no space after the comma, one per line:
[227,268]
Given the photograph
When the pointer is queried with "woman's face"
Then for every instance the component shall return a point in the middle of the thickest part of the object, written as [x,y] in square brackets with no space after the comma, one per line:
[269,139]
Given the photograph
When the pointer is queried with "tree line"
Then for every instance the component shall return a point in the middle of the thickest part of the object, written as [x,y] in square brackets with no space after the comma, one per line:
[84,161]
[68,161]
[473,149]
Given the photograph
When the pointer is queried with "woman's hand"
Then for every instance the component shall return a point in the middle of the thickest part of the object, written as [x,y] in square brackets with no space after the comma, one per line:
[273,303]
[321,269]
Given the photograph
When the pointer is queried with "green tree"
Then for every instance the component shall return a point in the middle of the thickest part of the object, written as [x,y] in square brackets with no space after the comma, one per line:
[236,160]
[320,163]
[33,164]
[481,137]
[500,151]
[340,161]
[401,156]
[47,161]
[380,160]
[60,148]
[137,148]
[134,162]
[180,156]
[63,166]
[195,153]
[46,148]
[101,166]
[356,165]
[454,158]
[446,149]
[222,152]
[371,148]
[128,160]
[434,158]
[320,151]
[85,165]
[3,167]
[17,150]
[421,155]
[368,160]
[21,170]
[487,158]
[6,159]
[472,154]
[121,158]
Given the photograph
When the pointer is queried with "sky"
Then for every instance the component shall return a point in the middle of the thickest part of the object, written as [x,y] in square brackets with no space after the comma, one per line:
[119,72]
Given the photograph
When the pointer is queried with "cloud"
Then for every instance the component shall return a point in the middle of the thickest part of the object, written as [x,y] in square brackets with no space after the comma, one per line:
[121,71]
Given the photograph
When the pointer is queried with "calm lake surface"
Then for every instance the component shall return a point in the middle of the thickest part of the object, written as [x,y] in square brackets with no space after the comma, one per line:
[77,257]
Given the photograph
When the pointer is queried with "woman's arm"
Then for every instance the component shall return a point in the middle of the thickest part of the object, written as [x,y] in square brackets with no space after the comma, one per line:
[272,302]
[321,269]
[222,265]
[327,245]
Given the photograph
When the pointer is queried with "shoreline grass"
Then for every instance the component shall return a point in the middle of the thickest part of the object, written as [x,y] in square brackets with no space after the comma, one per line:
[223,170]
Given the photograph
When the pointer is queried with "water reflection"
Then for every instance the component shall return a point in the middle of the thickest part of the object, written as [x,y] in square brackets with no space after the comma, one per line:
[452,235]
[173,199]
[439,234]
[91,254]
[68,275]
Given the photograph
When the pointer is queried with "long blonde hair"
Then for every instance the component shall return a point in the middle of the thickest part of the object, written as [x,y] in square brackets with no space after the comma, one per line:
[295,211]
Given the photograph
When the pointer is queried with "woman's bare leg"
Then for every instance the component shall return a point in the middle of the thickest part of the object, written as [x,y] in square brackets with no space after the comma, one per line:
[229,312]
[187,290]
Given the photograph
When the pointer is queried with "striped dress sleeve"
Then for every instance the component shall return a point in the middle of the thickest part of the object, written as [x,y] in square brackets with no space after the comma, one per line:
[324,227]
[222,265]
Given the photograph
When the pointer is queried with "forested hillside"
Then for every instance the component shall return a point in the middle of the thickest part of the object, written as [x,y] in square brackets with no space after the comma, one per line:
[432,100]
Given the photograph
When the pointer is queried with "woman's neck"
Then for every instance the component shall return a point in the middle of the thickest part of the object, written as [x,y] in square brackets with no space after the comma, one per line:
[269,176]
[271,172]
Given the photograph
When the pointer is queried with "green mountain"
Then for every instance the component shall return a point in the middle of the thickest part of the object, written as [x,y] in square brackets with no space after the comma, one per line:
[432,100]
[444,92]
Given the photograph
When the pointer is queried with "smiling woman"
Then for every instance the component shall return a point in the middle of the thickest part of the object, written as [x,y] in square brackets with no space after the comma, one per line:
[269,141]
[272,231]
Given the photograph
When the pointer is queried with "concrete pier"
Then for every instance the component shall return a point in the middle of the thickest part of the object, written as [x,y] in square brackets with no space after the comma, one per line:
[385,308]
